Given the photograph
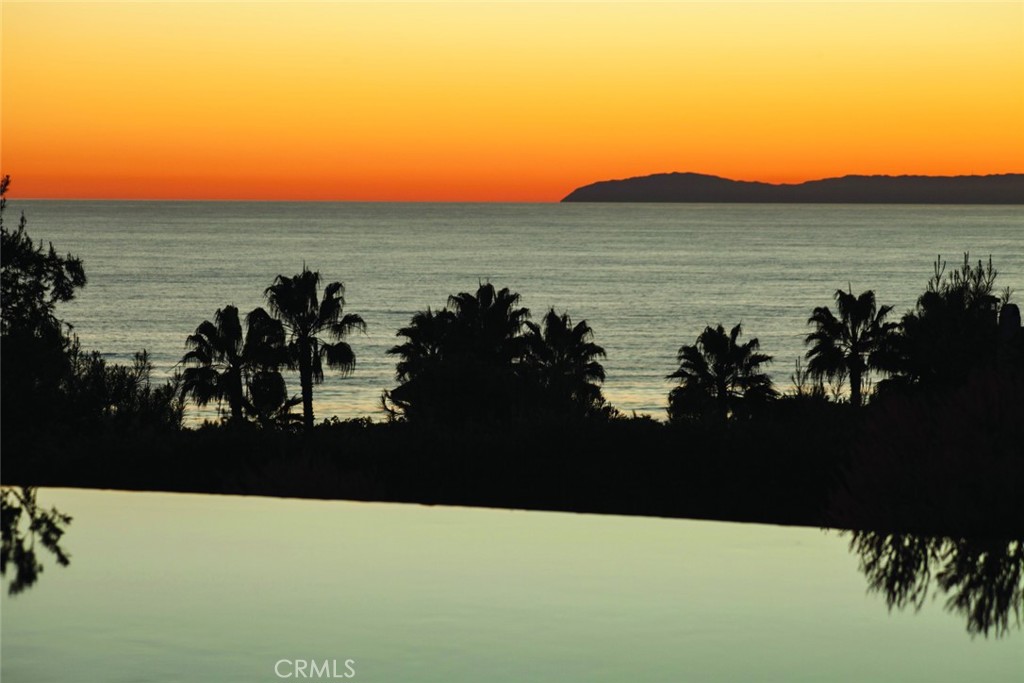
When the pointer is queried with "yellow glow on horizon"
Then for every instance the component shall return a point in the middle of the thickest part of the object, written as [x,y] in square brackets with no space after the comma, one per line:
[498,101]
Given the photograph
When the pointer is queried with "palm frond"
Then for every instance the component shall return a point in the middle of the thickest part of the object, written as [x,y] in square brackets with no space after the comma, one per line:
[339,356]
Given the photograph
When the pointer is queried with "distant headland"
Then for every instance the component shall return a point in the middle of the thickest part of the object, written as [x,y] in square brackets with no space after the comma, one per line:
[1007,188]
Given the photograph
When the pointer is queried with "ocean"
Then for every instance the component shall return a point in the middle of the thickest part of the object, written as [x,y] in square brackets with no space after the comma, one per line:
[646,277]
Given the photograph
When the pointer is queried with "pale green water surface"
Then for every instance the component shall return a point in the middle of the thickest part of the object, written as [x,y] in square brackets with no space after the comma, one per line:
[172,587]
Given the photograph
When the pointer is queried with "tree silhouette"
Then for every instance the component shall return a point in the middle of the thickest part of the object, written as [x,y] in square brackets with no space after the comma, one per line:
[33,279]
[719,377]
[47,381]
[463,362]
[309,322]
[562,360]
[426,336]
[487,325]
[241,370]
[34,343]
[952,332]
[850,344]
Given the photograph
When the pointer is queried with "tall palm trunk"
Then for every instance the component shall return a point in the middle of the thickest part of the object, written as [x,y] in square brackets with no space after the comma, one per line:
[235,395]
[856,368]
[723,400]
[306,380]
[855,378]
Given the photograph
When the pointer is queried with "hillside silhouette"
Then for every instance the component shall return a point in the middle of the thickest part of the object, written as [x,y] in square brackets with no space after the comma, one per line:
[852,189]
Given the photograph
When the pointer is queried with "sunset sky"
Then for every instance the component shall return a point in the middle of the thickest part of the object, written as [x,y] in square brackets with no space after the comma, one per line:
[497,101]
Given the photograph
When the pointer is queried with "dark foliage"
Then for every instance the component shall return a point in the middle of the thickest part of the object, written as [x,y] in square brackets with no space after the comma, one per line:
[49,385]
[952,332]
[101,394]
[851,344]
[239,369]
[719,378]
[315,328]
[946,461]
[562,365]
[34,343]
[480,359]
[749,470]
[941,447]
[451,370]
[33,279]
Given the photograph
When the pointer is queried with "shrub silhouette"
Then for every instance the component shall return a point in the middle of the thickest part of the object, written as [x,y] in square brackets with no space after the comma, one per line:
[100,393]
[952,332]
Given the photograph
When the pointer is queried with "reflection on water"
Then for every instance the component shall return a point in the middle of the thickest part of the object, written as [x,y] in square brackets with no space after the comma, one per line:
[23,523]
[981,579]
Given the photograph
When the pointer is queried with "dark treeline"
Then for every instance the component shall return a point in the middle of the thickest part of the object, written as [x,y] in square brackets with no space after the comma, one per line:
[893,424]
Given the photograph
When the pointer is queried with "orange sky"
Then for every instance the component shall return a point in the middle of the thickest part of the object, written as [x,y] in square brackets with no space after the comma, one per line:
[499,101]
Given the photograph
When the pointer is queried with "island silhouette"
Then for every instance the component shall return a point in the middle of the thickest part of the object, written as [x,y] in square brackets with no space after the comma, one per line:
[1007,188]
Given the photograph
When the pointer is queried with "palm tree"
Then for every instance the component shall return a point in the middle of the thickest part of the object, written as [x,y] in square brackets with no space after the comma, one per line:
[487,325]
[265,352]
[564,361]
[226,366]
[296,302]
[460,363]
[426,335]
[718,376]
[215,360]
[851,344]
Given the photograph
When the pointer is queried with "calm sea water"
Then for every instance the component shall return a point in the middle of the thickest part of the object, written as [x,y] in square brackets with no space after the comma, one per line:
[647,277]
[171,587]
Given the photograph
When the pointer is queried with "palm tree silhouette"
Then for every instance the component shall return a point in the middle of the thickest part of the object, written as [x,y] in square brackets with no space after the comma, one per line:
[563,361]
[851,344]
[460,363]
[718,376]
[426,335]
[224,365]
[487,325]
[295,301]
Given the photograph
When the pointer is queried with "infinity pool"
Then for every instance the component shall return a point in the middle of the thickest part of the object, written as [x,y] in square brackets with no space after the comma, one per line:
[173,587]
